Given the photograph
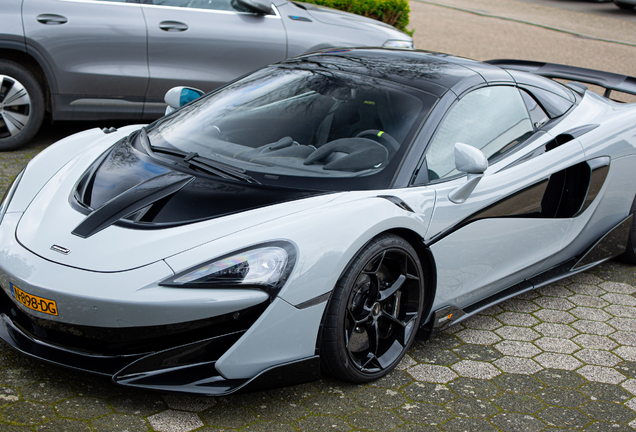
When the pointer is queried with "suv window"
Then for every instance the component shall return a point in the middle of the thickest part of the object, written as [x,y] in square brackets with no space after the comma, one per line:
[195,4]
[493,119]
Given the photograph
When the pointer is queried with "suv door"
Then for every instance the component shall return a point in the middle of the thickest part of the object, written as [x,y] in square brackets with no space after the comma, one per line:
[518,214]
[204,44]
[97,52]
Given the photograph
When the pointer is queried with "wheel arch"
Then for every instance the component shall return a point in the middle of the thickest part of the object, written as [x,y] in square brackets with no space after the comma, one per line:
[14,53]
[428,266]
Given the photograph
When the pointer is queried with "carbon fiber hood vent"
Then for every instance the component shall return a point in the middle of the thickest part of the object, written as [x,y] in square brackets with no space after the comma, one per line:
[126,187]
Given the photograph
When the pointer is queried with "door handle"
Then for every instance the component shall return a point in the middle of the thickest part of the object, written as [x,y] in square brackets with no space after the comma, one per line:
[52,19]
[173,26]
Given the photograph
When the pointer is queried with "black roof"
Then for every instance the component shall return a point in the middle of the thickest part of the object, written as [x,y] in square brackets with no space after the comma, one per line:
[432,72]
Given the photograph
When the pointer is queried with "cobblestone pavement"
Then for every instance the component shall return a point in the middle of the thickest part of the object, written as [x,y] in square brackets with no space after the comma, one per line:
[560,358]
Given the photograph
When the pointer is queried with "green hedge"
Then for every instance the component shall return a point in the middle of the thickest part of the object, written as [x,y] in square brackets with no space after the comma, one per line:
[392,12]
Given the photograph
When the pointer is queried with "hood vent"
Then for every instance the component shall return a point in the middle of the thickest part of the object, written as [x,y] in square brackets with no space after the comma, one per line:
[126,187]
[132,201]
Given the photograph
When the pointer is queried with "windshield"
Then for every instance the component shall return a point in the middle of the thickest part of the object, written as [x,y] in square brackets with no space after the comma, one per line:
[285,122]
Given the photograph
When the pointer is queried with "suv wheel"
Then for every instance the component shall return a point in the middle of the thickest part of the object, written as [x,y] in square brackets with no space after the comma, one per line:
[625,6]
[21,105]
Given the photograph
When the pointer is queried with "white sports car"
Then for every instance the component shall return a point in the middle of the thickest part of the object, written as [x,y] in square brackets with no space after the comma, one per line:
[315,214]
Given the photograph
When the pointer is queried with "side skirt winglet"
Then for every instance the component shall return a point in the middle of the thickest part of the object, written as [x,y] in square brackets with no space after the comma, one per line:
[609,246]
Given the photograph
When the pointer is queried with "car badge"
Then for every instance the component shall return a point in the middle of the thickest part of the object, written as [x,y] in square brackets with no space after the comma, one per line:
[60,249]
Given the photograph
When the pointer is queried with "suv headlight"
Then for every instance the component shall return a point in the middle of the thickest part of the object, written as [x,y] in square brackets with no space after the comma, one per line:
[393,43]
[6,199]
[266,266]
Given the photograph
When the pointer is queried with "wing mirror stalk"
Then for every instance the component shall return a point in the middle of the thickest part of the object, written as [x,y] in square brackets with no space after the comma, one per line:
[176,97]
[472,161]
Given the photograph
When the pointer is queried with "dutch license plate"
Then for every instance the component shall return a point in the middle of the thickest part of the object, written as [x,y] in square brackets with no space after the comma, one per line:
[35,303]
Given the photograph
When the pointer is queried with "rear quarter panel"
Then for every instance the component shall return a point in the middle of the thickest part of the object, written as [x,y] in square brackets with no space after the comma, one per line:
[616,134]
[615,137]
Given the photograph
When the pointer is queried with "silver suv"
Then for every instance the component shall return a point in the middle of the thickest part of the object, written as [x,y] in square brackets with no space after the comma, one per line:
[115,59]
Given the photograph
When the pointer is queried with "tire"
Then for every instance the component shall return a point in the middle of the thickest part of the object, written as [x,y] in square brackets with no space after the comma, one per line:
[625,6]
[21,105]
[374,312]
[629,256]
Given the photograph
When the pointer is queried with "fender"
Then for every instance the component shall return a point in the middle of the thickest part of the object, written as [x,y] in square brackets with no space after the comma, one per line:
[12,42]
[18,44]
[46,67]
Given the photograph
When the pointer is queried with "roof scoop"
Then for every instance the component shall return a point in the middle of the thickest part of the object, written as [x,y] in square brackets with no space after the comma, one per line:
[131,201]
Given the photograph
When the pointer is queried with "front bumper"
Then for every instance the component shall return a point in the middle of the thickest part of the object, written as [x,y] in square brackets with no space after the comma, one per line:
[137,359]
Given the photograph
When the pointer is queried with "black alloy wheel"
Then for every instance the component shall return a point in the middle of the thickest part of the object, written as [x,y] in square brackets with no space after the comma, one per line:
[375,311]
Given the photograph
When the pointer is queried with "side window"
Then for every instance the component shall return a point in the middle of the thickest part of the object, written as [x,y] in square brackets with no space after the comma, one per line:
[537,115]
[493,119]
[224,5]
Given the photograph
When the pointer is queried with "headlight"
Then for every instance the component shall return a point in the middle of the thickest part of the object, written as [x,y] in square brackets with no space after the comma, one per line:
[399,44]
[265,266]
[6,199]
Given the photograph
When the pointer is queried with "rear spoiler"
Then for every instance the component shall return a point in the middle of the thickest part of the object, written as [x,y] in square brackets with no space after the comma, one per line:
[608,80]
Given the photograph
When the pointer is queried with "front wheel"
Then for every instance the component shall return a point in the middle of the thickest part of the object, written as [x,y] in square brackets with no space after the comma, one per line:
[21,105]
[374,312]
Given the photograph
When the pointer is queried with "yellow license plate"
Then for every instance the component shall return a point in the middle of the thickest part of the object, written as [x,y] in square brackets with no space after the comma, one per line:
[35,303]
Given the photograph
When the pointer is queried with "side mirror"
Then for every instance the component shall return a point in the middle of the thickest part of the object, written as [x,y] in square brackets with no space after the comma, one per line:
[178,96]
[472,161]
[263,7]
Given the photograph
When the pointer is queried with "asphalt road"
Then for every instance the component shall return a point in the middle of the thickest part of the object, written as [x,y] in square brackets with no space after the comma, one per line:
[514,29]
[560,358]
[606,9]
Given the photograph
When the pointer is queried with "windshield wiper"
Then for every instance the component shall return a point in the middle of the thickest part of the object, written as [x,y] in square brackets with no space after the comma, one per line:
[208,165]
[145,141]
[194,160]
[218,168]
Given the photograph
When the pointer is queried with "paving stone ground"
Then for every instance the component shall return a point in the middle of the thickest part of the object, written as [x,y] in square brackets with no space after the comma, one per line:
[562,357]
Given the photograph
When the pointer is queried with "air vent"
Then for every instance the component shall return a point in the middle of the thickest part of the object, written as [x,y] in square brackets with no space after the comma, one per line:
[558,141]
[566,192]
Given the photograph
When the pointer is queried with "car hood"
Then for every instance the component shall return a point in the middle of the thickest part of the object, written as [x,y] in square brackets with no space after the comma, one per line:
[328,15]
[121,210]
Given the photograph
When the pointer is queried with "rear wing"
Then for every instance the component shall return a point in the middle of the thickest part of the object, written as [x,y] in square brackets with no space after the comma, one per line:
[608,80]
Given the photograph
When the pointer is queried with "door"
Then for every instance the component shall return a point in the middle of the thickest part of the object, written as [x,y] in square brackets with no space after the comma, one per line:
[204,44]
[97,52]
[518,214]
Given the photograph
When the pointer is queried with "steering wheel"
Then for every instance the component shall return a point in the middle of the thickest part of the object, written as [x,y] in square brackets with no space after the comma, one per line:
[391,144]
[353,154]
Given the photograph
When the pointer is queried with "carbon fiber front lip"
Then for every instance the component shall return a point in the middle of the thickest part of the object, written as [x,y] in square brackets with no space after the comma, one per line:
[98,364]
